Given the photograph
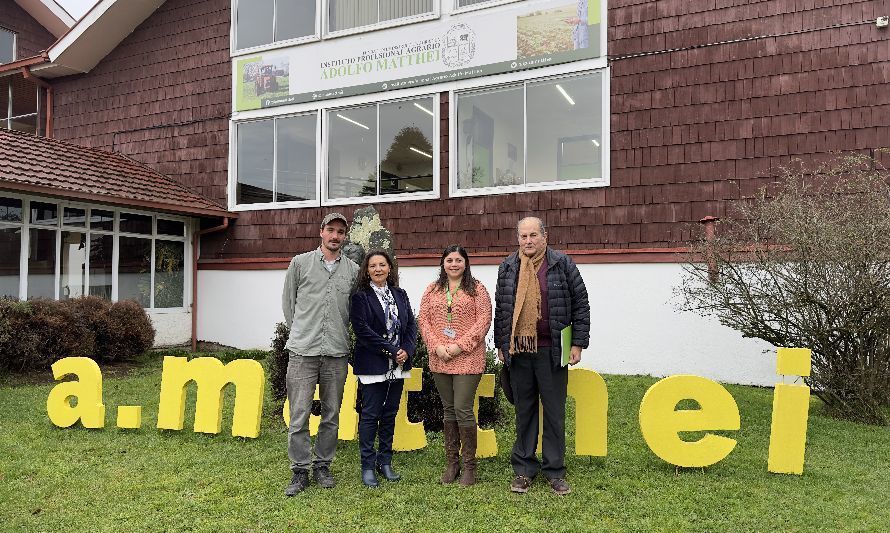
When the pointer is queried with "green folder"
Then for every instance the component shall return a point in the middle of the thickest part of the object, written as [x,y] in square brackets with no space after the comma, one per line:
[566,335]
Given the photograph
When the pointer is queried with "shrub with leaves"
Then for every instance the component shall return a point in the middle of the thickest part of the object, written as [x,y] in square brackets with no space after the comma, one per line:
[278,362]
[36,333]
[807,265]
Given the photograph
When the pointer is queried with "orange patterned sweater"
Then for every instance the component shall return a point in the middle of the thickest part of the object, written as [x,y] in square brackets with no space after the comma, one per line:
[471,320]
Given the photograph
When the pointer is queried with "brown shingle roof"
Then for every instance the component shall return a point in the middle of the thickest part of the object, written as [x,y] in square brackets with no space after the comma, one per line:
[56,168]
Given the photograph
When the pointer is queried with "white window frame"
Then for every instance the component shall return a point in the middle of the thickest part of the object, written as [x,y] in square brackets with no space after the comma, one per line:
[566,70]
[59,227]
[455,10]
[234,51]
[322,108]
[15,44]
[233,169]
[404,21]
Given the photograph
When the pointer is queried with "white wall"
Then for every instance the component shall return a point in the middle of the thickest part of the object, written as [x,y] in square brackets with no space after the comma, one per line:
[171,329]
[635,328]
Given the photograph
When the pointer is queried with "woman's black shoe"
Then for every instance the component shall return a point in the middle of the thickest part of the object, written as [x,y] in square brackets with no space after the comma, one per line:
[369,479]
[387,472]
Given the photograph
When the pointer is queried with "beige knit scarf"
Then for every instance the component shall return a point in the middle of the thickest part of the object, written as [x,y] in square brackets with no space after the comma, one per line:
[527,309]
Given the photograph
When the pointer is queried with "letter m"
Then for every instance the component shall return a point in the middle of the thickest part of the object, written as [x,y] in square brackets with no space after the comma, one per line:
[211,376]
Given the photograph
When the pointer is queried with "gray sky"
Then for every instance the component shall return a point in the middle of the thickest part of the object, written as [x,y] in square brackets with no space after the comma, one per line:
[77,8]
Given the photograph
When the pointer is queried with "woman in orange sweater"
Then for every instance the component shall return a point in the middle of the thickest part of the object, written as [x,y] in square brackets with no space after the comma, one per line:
[455,315]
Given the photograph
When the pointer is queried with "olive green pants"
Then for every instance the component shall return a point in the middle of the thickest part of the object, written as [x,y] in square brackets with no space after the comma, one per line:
[458,391]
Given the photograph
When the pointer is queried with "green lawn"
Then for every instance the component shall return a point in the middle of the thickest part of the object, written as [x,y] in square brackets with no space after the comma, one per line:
[146,480]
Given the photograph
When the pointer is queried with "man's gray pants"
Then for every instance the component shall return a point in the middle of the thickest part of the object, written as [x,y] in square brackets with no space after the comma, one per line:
[303,374]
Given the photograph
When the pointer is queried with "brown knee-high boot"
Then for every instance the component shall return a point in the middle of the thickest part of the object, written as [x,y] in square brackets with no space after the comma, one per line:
[452,451]
[468,454]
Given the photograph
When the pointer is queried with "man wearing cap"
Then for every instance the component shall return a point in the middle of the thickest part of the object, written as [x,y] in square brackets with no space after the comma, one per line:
[316,309]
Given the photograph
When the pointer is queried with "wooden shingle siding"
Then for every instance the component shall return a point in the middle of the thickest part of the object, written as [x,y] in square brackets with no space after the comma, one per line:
[708,98]
[31,37]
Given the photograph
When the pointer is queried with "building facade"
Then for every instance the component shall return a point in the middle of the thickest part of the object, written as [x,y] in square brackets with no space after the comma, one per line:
[620,123]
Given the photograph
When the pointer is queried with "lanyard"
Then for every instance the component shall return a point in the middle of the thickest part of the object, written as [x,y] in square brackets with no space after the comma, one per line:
[449,298]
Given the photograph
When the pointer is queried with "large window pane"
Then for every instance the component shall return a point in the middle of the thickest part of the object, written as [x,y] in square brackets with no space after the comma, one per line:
[171,227]
[255,156]
[74,217]
[406,147]
[131,223]
[10,254]
[296,158]
[101,249]
[352,152]
[24,96]
[42,263]
[253,23]
[169,273]
[566,140]
[490,138]
[134,271]
[101,220]
[10,210]
[294,18]
[347,14]
[73,265]
[43,213]
[7,46]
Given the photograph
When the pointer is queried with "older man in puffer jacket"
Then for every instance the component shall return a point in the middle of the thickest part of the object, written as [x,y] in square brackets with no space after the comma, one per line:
[539,293]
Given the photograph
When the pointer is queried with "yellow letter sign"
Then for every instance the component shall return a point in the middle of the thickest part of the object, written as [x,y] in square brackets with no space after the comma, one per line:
[791,408]
[211,376]
[87,389]
[661,422]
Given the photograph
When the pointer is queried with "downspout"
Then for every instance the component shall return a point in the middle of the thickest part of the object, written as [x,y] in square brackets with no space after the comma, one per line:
[26,72]
[196,241]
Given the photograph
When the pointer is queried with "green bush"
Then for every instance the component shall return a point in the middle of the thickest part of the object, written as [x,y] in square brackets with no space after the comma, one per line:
[424,405]
[36,333]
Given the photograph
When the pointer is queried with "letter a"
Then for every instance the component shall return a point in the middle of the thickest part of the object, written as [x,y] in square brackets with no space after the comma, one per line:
[791,408]
[87,389]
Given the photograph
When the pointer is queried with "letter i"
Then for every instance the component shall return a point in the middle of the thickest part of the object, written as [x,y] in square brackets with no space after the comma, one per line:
[791,406]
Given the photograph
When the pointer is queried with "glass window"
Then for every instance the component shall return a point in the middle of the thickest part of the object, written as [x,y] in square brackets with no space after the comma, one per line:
[10,255]
[169,273]
[43,213]
[101,220]
[7,46]
[42,263]
[406,147]
[171,227]
[370,157]
[352,152]
[348,14]
[256,148]
[276,160]
[10,210]
[295,158]
[131,223]
[134,270]
[101,248]
[72,265]
[490,138]
[547,131]
[74,217]
[566,140]
[260,22]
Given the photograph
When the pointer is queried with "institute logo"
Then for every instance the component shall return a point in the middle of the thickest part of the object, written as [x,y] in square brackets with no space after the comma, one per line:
[459,47]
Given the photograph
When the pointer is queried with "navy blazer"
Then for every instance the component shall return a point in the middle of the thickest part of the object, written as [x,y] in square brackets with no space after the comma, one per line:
[372,352]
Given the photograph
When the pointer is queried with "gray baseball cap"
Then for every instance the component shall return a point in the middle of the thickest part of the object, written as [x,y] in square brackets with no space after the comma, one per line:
[334,216]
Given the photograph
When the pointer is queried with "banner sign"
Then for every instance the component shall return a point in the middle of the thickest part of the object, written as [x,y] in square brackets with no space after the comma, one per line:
[509,38]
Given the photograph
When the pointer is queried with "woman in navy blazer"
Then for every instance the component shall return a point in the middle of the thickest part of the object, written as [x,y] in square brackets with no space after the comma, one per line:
[385,338]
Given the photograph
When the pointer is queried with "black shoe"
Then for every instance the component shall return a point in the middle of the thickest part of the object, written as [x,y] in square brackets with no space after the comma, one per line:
[369,479]
[323,477]
[298,483]
[387,472]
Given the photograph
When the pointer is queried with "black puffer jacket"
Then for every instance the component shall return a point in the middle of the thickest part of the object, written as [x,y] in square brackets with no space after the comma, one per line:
[566,296]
